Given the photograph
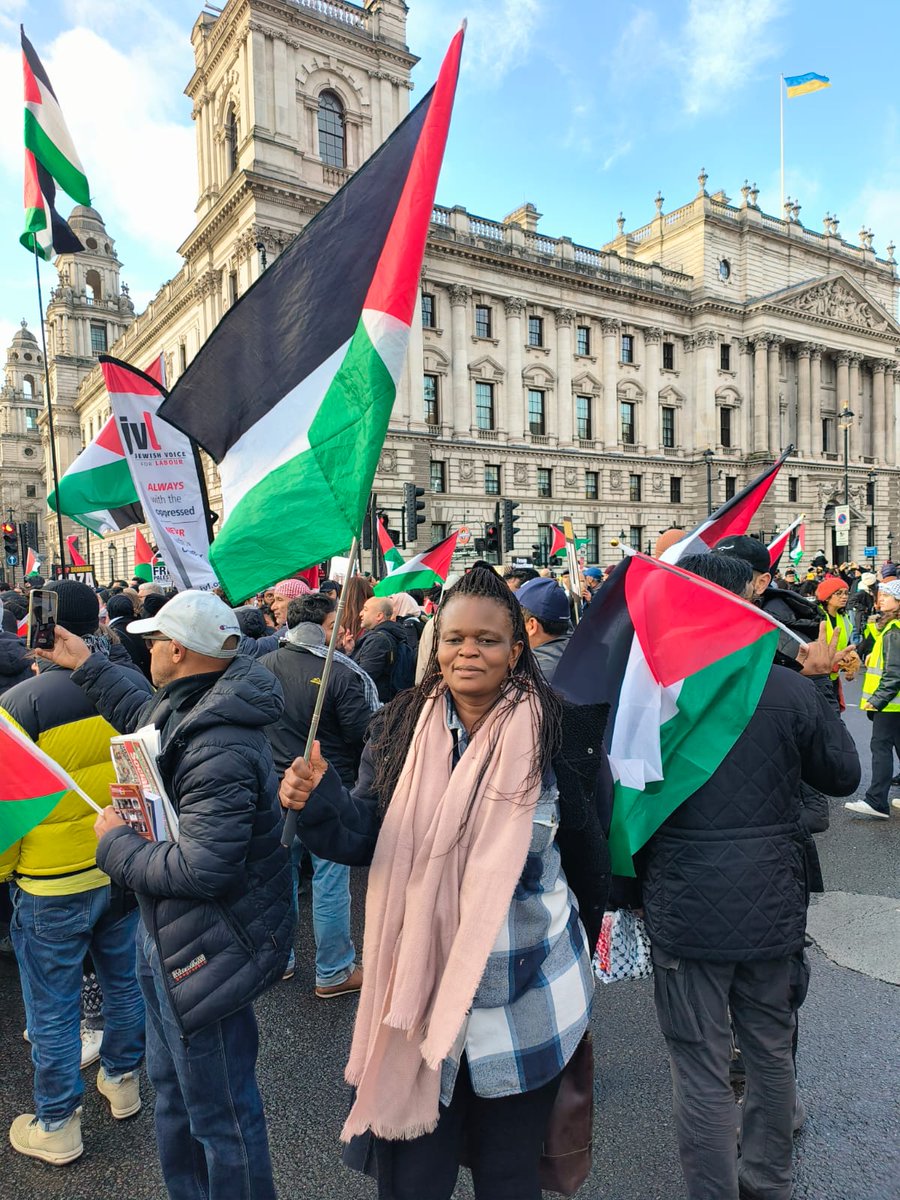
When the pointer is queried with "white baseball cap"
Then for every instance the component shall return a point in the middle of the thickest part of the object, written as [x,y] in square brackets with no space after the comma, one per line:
[198,621]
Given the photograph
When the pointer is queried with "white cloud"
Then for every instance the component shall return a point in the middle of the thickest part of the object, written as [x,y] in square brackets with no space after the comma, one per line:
[500,34]
[722,43]
[617,153]
[11,12]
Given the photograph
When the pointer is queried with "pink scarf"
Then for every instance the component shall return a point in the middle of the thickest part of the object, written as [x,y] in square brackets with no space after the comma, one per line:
[437,898]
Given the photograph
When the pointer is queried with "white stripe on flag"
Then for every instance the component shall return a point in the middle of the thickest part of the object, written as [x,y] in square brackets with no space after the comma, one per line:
[635,755]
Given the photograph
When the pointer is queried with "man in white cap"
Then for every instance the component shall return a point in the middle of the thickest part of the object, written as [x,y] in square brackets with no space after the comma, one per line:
[215,904]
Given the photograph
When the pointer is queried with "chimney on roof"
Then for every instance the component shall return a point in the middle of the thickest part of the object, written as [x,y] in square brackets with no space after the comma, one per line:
[527,217]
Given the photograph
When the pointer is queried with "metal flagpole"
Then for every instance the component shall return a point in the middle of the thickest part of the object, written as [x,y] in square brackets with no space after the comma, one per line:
[53,460]
[289,831]
[781,107]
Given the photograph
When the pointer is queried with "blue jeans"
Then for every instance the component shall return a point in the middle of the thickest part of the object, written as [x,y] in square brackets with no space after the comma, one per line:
[210,1126]
[51,935]
[335,952]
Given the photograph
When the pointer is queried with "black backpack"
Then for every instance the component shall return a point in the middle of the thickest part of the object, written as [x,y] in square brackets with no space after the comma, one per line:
[403,667]
[805,614]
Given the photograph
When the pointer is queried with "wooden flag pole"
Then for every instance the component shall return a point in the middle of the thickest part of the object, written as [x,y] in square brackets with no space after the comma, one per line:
[574,569]
[289,832]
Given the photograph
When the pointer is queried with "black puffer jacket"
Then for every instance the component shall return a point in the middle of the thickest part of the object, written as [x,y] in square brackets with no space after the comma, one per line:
[217,901]
[724,878]
[375,653]
[14,666]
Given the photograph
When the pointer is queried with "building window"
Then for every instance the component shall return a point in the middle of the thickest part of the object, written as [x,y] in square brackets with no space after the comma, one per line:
[430,413]
[331,130]
[428,311]
[794,489]
[725,356]
[627,348]
[584,429]
[668,428]
[182,358]
[668,356]
[438,531]
[730,486]
[231,140]
[626,416]
[870,499]
[591,485]
[438,476]
[675,489]
[232,289]
[31,420]
[544,543]
[535,331]
[536,423]
[583,339]
[725,426]
[484,405]
[828,435]
[98,339]
[30,490]
[483,321]
[491,480]
[634,487]
[592,549]
[545,483]
[635,536]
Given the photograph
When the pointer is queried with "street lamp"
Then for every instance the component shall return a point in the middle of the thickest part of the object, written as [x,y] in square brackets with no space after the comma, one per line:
[872,537]
[708,456]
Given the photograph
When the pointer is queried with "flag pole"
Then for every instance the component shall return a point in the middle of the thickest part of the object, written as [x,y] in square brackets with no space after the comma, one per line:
[574,568]
[781,107]
[53,460]
[289,831]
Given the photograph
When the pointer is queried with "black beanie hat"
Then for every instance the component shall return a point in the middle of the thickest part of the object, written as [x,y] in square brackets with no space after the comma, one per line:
[79,609]
[119,606]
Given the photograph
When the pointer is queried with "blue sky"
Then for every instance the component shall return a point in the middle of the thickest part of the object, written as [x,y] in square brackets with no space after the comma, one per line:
[583,107]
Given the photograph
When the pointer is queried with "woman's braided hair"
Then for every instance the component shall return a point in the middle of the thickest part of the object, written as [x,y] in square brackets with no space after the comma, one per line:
[391,731]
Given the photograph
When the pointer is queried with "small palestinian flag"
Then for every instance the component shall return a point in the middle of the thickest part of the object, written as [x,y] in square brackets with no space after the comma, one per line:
[97,490]
[299,440]
[558,542]
[46,233]
[392,556]
[797,545]
[31,784]
[777,547]
[731,520]
[424,571]
[74,552]
[681,664]
[32,563]
[143,558]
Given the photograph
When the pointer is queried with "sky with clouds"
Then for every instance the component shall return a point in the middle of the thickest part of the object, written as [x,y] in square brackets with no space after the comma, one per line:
[584,107]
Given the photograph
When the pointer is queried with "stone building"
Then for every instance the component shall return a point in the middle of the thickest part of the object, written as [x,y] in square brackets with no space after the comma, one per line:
[22,488]
[627,386]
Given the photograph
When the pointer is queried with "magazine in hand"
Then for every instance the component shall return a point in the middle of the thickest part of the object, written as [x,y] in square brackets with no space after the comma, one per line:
[134,758]
[135,809]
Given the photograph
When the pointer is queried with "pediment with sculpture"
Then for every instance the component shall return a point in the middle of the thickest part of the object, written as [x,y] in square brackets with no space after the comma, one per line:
[835,299]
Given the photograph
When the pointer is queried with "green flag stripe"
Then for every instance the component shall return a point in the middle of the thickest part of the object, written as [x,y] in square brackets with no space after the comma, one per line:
[18,817]
[66,174]
[402,581]
[109,486]
[714,707]
[320,495]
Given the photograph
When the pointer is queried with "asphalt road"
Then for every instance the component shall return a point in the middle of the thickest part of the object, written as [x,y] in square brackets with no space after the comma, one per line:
[849,1065]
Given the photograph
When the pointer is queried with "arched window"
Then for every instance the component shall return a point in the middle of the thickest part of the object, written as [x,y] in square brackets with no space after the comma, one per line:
[94,284]
[28,387]
[231,139]
[331,130]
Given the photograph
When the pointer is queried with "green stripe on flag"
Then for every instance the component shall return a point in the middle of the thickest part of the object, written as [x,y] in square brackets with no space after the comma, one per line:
[402,581]
[68,176]
[714,707]
[322,491]
[18,817]
[108,486]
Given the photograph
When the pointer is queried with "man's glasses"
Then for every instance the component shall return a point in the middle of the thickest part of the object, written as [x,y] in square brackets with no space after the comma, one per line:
[148,641]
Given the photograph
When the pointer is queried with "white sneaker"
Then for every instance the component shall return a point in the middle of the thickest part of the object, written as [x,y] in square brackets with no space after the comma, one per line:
[865,809]
[895,803]
[124,1094]
[90,1045]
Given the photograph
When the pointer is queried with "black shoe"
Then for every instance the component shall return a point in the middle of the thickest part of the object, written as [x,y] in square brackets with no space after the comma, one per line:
[895,782]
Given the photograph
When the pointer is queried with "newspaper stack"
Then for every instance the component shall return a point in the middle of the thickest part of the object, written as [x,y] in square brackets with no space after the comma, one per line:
[139,797]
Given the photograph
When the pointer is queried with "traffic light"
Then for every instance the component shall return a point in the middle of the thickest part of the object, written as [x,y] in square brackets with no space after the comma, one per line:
[10,543]
[491,538]
[510,529]
[536,554]
[368,522]
[412,508]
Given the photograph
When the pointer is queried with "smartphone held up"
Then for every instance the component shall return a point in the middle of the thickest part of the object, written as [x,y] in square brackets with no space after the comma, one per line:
[42,609]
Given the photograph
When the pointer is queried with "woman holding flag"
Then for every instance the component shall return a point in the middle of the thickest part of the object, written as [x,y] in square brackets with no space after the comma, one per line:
[477,805]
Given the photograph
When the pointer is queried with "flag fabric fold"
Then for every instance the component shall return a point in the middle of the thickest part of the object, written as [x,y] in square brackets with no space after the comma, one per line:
[46,232]
[731,519]
[392,556]
[430,567]
[682,664]
[779,544]
[31,784]
[797,544]
[46,133]
[97,490]
[297,427]
[143,558]
[799,85]
[74,553]
[32,563]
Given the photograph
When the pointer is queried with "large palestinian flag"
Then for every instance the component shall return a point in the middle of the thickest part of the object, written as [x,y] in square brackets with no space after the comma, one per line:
[97,490]
[731,520]
[297,424]
[31,784]
[424,571]
[682,664]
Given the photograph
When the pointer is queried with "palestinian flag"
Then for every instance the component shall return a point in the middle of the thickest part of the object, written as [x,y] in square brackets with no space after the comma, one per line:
[97,490]
[46,134]
[74,553]
[424,571]
[731,520]
[777,547]
[797,544]
[32,563]
[306,414]
[392,556]
[31,784]
[681,663]
[143,558]
[46,233]
[558,542]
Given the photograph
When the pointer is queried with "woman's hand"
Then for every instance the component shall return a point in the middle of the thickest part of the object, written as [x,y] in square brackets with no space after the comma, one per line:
[301,778]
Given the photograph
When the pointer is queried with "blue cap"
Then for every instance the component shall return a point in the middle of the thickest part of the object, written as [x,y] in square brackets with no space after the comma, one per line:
[544,599]
[594,573]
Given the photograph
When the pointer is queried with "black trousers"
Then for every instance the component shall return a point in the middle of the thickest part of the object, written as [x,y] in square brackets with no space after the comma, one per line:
[885,739]
[500,1139]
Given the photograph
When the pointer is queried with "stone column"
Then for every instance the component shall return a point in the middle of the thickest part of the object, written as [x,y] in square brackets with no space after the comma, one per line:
[516,407]
[705,432]
[804,410]
[774,396]
[651,367]
[842,395]
[859,437]
[610,328]
[892,397]
[879,413]
[815,398]
[744,430]
[565,402]
[459,367]
[760,395]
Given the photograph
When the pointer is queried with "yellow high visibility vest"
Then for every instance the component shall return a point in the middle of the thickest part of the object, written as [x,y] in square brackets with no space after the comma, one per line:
[875,669]
[843,626]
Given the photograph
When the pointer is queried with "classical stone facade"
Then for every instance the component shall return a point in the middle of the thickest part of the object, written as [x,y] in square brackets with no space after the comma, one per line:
[22,488]
[620,385]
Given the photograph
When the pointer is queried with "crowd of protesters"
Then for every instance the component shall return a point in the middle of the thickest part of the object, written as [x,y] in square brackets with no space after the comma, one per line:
[480,799]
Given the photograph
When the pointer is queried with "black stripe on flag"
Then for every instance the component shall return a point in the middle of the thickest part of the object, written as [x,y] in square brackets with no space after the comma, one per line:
[299,311]
[65,240]
[37,67]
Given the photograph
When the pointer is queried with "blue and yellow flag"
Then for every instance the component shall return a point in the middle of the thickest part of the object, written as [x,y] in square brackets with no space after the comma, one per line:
[799,85]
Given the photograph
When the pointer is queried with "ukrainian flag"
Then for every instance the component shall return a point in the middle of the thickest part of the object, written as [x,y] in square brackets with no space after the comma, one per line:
[799,85]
